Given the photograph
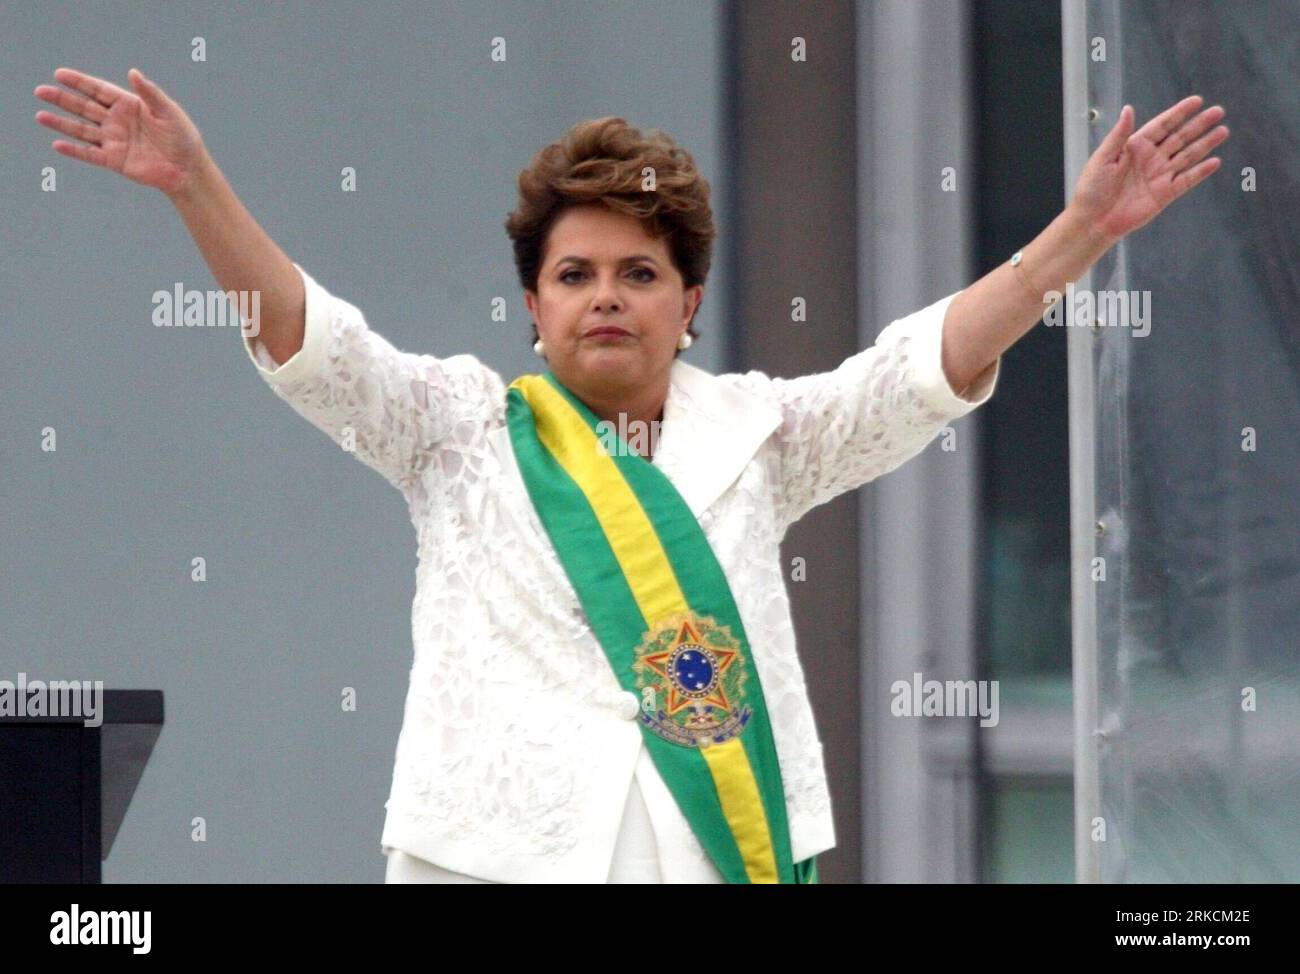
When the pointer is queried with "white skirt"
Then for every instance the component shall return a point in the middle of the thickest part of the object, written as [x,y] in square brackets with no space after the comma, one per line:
[636,856]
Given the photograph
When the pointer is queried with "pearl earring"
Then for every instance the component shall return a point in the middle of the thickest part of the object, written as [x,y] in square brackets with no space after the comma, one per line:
[537,346]
[684,342]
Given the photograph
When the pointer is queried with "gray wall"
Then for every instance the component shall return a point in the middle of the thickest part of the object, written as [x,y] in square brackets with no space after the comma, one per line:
[170,447]
[796,234]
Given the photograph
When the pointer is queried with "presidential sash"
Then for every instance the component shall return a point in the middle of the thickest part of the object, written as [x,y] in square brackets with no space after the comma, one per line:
[662,610]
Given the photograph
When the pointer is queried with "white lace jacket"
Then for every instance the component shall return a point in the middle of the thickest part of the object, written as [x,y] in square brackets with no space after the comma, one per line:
[518,746]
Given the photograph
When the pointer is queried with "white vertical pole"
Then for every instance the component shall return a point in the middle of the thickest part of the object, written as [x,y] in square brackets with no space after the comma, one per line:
[1083,515]
[918,535]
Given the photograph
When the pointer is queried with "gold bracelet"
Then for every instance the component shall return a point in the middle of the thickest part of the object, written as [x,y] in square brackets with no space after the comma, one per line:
[1023,276]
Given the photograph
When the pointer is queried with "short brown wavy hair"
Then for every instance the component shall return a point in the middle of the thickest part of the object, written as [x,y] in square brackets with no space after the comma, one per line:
[602,160]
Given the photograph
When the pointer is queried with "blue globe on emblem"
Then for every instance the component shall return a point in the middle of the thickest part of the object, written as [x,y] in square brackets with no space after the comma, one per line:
[693,670]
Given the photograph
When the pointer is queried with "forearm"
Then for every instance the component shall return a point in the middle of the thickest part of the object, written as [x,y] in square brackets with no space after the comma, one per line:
[243,258]
[991,315]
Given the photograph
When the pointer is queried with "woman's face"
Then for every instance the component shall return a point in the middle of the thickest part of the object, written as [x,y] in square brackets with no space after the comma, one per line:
[600,268]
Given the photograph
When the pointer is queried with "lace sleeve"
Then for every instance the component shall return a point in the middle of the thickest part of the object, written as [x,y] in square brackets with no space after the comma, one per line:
[874,412]
[390,407]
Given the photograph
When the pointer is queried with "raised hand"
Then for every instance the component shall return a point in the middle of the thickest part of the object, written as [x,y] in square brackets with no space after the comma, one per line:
[145,135]
[1134,175]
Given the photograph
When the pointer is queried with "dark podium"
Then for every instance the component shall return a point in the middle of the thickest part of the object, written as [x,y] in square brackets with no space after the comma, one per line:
[65,787]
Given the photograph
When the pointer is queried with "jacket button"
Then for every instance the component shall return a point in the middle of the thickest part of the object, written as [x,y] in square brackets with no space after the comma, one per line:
[629,705]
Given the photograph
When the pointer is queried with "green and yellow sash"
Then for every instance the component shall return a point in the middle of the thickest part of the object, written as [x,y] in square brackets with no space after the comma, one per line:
[659,603]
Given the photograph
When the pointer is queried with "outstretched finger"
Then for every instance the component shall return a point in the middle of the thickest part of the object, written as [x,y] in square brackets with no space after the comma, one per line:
[149,92]
[86,153]
[1198,149]
[72,102]
[70,126]
[1113,144]
[1158,129]
[104,92]
[1186,180]
[1190,131]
